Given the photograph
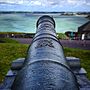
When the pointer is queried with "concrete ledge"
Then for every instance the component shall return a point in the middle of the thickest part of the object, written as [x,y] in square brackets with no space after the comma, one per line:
[73,62]
[82,71]
[17,64]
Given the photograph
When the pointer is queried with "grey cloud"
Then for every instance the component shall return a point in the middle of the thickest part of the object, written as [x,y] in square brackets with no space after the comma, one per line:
[47,2]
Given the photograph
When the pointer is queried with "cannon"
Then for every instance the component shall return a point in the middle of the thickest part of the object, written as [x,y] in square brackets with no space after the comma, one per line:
[45,67]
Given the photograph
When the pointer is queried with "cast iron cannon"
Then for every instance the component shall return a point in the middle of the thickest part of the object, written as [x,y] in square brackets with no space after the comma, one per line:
[45,67]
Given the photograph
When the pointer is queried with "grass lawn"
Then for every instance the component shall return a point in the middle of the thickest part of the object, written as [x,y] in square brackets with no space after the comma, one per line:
[12,51]
[84,56]
[7,40]
[9,52]
[61,36]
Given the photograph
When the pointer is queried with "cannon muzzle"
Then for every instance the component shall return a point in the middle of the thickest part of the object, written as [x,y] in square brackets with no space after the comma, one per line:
[45,67]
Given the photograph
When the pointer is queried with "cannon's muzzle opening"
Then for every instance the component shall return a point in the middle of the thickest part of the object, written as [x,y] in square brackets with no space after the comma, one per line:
[45,18]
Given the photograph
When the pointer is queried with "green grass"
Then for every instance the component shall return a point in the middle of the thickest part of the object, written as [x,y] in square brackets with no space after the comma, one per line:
[7,40]
[11,32]
[84,56]
[10,52]
[61,36]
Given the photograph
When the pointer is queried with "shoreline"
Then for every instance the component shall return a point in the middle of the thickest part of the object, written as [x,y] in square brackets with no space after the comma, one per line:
[48,13]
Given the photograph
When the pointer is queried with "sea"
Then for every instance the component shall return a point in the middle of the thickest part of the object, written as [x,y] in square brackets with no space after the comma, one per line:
[26,23]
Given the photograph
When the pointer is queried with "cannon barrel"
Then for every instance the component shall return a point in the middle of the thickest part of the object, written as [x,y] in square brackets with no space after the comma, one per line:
[45,67]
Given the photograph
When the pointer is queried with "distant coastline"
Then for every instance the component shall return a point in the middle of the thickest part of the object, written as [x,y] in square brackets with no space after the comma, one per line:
[49,13]
[88,17]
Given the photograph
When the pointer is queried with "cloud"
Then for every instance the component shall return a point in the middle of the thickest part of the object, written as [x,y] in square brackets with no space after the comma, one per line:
[14,1]
[9,1]
[38,3]
[48,4]
[44,3]
[76,3]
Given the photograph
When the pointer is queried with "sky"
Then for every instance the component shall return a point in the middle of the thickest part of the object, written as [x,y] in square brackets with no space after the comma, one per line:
[45,5]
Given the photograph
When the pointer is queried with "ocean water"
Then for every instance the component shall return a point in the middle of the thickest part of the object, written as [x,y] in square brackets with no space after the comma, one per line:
[27,23]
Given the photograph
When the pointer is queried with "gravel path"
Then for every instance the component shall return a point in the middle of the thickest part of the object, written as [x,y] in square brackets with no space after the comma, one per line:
[67,43]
